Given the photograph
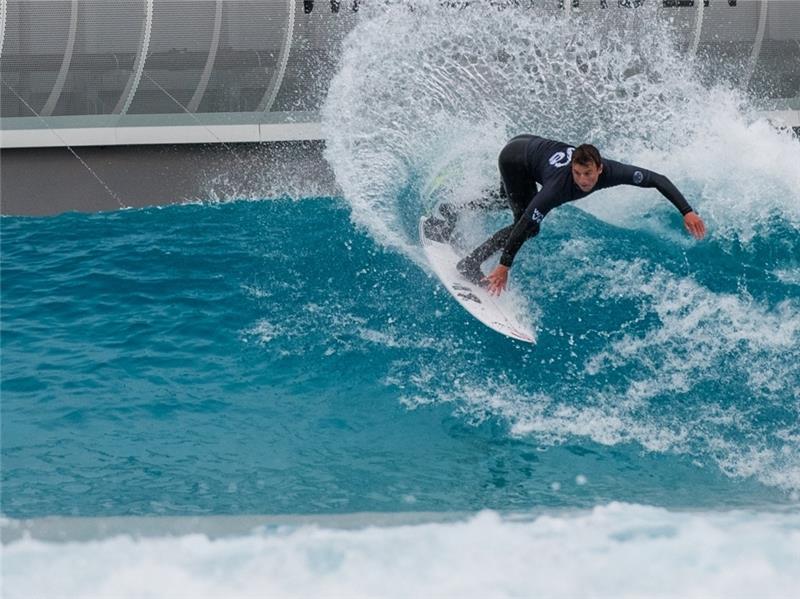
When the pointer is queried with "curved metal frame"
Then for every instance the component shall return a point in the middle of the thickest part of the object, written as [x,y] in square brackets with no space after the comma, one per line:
[197,97]
[762,25]
[136,75]
[3,4]
[698,27]
[277,79]
[58,86]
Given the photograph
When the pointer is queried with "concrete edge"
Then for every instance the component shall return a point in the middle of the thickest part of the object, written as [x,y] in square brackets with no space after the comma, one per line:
[52,137]
[159,135]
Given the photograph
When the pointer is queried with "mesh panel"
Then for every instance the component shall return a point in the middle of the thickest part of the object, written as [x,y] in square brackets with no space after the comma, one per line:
[683,21]
[33,50]
[108,39]
[248,55]
[727,42]
[180,41]
[250,38]
[777,72]
[314,56]
[723,23]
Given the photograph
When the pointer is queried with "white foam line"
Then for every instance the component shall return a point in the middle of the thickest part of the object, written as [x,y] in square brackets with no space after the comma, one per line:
[618,550]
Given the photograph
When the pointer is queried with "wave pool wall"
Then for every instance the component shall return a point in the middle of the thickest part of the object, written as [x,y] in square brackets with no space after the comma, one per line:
[153,175]
[104,59]
[197,76]
[94,62]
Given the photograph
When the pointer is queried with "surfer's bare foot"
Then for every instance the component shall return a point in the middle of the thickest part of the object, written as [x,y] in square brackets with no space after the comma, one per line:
[471,271]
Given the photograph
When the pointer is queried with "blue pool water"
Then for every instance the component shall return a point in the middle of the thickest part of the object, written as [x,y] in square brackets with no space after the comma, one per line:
[291,360]
[268,357]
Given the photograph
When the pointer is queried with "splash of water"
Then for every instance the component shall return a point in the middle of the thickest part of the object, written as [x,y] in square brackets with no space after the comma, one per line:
[433,93]
[433,89]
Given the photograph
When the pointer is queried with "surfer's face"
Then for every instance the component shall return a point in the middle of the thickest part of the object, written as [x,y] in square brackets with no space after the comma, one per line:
[586,175]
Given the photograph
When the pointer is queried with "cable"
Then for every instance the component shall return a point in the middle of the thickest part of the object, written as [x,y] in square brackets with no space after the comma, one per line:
[63,141]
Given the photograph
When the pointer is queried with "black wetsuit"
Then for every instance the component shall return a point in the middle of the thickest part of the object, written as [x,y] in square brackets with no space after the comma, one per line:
[529,159]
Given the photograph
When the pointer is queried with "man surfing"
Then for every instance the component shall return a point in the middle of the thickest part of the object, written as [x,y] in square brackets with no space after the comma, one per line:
[566,174]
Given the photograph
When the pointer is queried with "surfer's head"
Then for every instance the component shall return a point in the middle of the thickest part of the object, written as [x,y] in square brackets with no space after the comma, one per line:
[586,167]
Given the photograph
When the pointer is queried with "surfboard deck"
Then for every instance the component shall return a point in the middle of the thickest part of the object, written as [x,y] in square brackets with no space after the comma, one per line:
[496,312]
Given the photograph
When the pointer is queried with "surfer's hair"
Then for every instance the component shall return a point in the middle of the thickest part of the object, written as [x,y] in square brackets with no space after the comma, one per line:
[586,155]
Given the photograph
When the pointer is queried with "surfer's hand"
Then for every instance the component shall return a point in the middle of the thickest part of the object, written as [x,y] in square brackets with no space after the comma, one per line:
[694,224]
[497,280]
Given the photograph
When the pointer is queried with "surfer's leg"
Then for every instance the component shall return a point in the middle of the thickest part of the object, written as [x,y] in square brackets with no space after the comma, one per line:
[492,199]
[484,251]
[517,180]
[520,189]
[516,190]
[470,266]
[440,229]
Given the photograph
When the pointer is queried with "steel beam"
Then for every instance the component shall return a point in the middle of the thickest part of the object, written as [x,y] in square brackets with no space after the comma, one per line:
[138,67]
[698,28]
[762,25]
[3,9]
[197,97]
[277,77]
[58,86]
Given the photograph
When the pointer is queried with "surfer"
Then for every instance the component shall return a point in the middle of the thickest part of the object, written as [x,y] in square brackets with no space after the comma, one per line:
[565,173]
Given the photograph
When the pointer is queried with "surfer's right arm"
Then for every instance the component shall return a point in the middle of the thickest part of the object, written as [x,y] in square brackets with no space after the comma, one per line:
[497,280]
[693,223]
[628,174]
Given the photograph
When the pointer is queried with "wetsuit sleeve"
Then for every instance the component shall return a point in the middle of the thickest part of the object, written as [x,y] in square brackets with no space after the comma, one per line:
[627,174]
[528,224]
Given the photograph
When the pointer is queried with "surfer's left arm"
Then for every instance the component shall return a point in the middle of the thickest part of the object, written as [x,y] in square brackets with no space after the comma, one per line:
[627,174]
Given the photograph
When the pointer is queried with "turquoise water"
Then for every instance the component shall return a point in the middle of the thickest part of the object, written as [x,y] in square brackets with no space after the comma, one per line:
[268,357]
[310,413]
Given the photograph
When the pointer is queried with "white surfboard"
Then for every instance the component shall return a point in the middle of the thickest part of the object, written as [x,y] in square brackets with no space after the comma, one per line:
[496,312]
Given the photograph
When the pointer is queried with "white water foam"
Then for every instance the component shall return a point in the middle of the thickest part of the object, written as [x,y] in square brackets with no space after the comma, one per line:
[649,383]
[615,551]
[435,89]
[738,171]
[697,331]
